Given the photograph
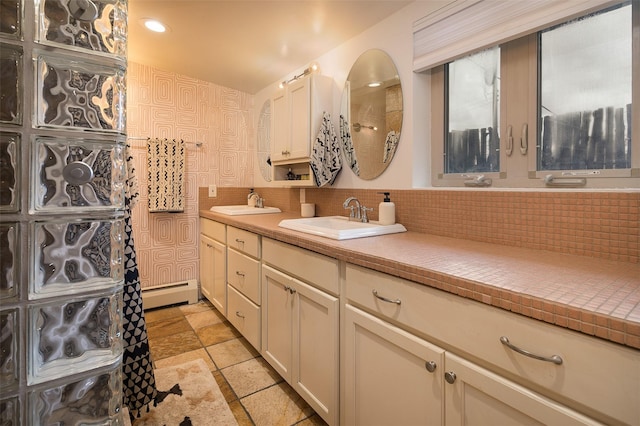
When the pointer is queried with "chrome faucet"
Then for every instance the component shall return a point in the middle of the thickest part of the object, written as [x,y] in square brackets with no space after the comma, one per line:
[357,212]
[258,200]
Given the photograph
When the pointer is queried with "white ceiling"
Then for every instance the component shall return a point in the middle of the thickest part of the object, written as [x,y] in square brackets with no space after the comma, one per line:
[246,44]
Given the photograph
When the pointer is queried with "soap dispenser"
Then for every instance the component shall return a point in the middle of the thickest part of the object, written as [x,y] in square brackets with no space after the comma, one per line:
[387,209]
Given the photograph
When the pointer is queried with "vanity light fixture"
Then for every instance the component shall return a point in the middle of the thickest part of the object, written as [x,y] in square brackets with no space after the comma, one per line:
[154,25]
[312,68]
[374,84]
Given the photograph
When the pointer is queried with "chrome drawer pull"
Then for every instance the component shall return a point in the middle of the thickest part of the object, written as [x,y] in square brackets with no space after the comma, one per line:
[239,241]
[384,299]
[556,359]
[240,273]
[239,314]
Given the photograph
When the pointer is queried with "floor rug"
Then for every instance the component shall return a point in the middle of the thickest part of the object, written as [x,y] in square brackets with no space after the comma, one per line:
[188,395]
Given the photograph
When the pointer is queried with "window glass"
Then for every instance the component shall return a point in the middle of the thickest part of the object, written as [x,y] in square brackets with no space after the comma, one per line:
[472,113]
[585,93]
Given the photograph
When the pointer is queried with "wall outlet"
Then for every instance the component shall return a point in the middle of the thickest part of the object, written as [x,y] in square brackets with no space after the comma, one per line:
[213,191]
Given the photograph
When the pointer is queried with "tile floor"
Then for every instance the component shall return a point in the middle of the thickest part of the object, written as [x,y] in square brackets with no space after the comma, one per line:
[255,392]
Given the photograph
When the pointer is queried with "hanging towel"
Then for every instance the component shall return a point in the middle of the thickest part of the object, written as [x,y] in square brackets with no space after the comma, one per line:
[390,145]
[165,160]
[347,146]
[325,156]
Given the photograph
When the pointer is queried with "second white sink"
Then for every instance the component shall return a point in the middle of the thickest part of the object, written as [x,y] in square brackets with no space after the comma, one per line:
[340,227]
[243,209]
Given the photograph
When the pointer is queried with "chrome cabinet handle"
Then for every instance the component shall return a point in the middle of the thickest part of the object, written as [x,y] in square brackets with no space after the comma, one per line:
[289,289]
[430,366]
[450,377]
[241,274]
[239,241]
[384,299]
[556,359]
[239,314]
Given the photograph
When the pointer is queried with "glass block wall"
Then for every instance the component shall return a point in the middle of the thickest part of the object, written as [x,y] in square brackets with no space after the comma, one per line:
[62,174]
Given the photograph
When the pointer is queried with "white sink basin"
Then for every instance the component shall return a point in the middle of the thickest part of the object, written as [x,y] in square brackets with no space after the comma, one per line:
[243,209]
[340,227]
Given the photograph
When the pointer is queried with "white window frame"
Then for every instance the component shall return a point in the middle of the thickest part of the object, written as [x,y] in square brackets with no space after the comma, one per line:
[483,23]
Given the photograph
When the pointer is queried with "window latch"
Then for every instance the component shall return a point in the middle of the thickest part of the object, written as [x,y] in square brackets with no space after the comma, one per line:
[524,139]
[478,181]
[566,181]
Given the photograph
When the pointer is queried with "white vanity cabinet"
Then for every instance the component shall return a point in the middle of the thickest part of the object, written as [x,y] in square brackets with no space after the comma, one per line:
[243,278]
[475,395]
[300,323]
[391,377]
[484,380]
[296,116]
[213,263]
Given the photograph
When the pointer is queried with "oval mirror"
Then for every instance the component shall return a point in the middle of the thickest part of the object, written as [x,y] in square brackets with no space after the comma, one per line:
[371,114]
[264,138]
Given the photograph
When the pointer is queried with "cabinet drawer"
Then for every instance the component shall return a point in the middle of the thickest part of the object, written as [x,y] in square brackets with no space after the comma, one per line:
[244,241]
[314,268]
[245,316]
[244,274]
[474,329]
[212,229]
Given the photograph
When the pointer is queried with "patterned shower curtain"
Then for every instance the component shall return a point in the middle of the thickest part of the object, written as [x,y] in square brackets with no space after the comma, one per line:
[139,384]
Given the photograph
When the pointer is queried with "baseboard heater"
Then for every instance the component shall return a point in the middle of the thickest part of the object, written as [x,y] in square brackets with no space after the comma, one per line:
[170,294]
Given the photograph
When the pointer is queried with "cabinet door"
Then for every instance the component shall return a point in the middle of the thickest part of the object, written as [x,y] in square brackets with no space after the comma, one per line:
[299,93]
[390,377]
[206,266]
[475,396]
[277,308]
[219,299]
[279,127]
[213,268]
[315,346]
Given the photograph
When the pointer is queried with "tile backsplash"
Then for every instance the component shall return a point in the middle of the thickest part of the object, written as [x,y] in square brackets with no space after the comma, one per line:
[596,224]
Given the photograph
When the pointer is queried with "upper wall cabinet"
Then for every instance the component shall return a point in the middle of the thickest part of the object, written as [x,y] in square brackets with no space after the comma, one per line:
[296,117]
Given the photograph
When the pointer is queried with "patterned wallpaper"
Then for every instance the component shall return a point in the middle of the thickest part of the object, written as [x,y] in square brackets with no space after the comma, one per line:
[166,105]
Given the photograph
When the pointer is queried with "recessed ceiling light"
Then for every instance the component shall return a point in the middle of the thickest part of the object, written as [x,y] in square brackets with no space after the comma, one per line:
[154,25]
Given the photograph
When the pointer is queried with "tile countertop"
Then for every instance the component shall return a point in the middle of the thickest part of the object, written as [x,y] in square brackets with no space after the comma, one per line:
[594,296]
